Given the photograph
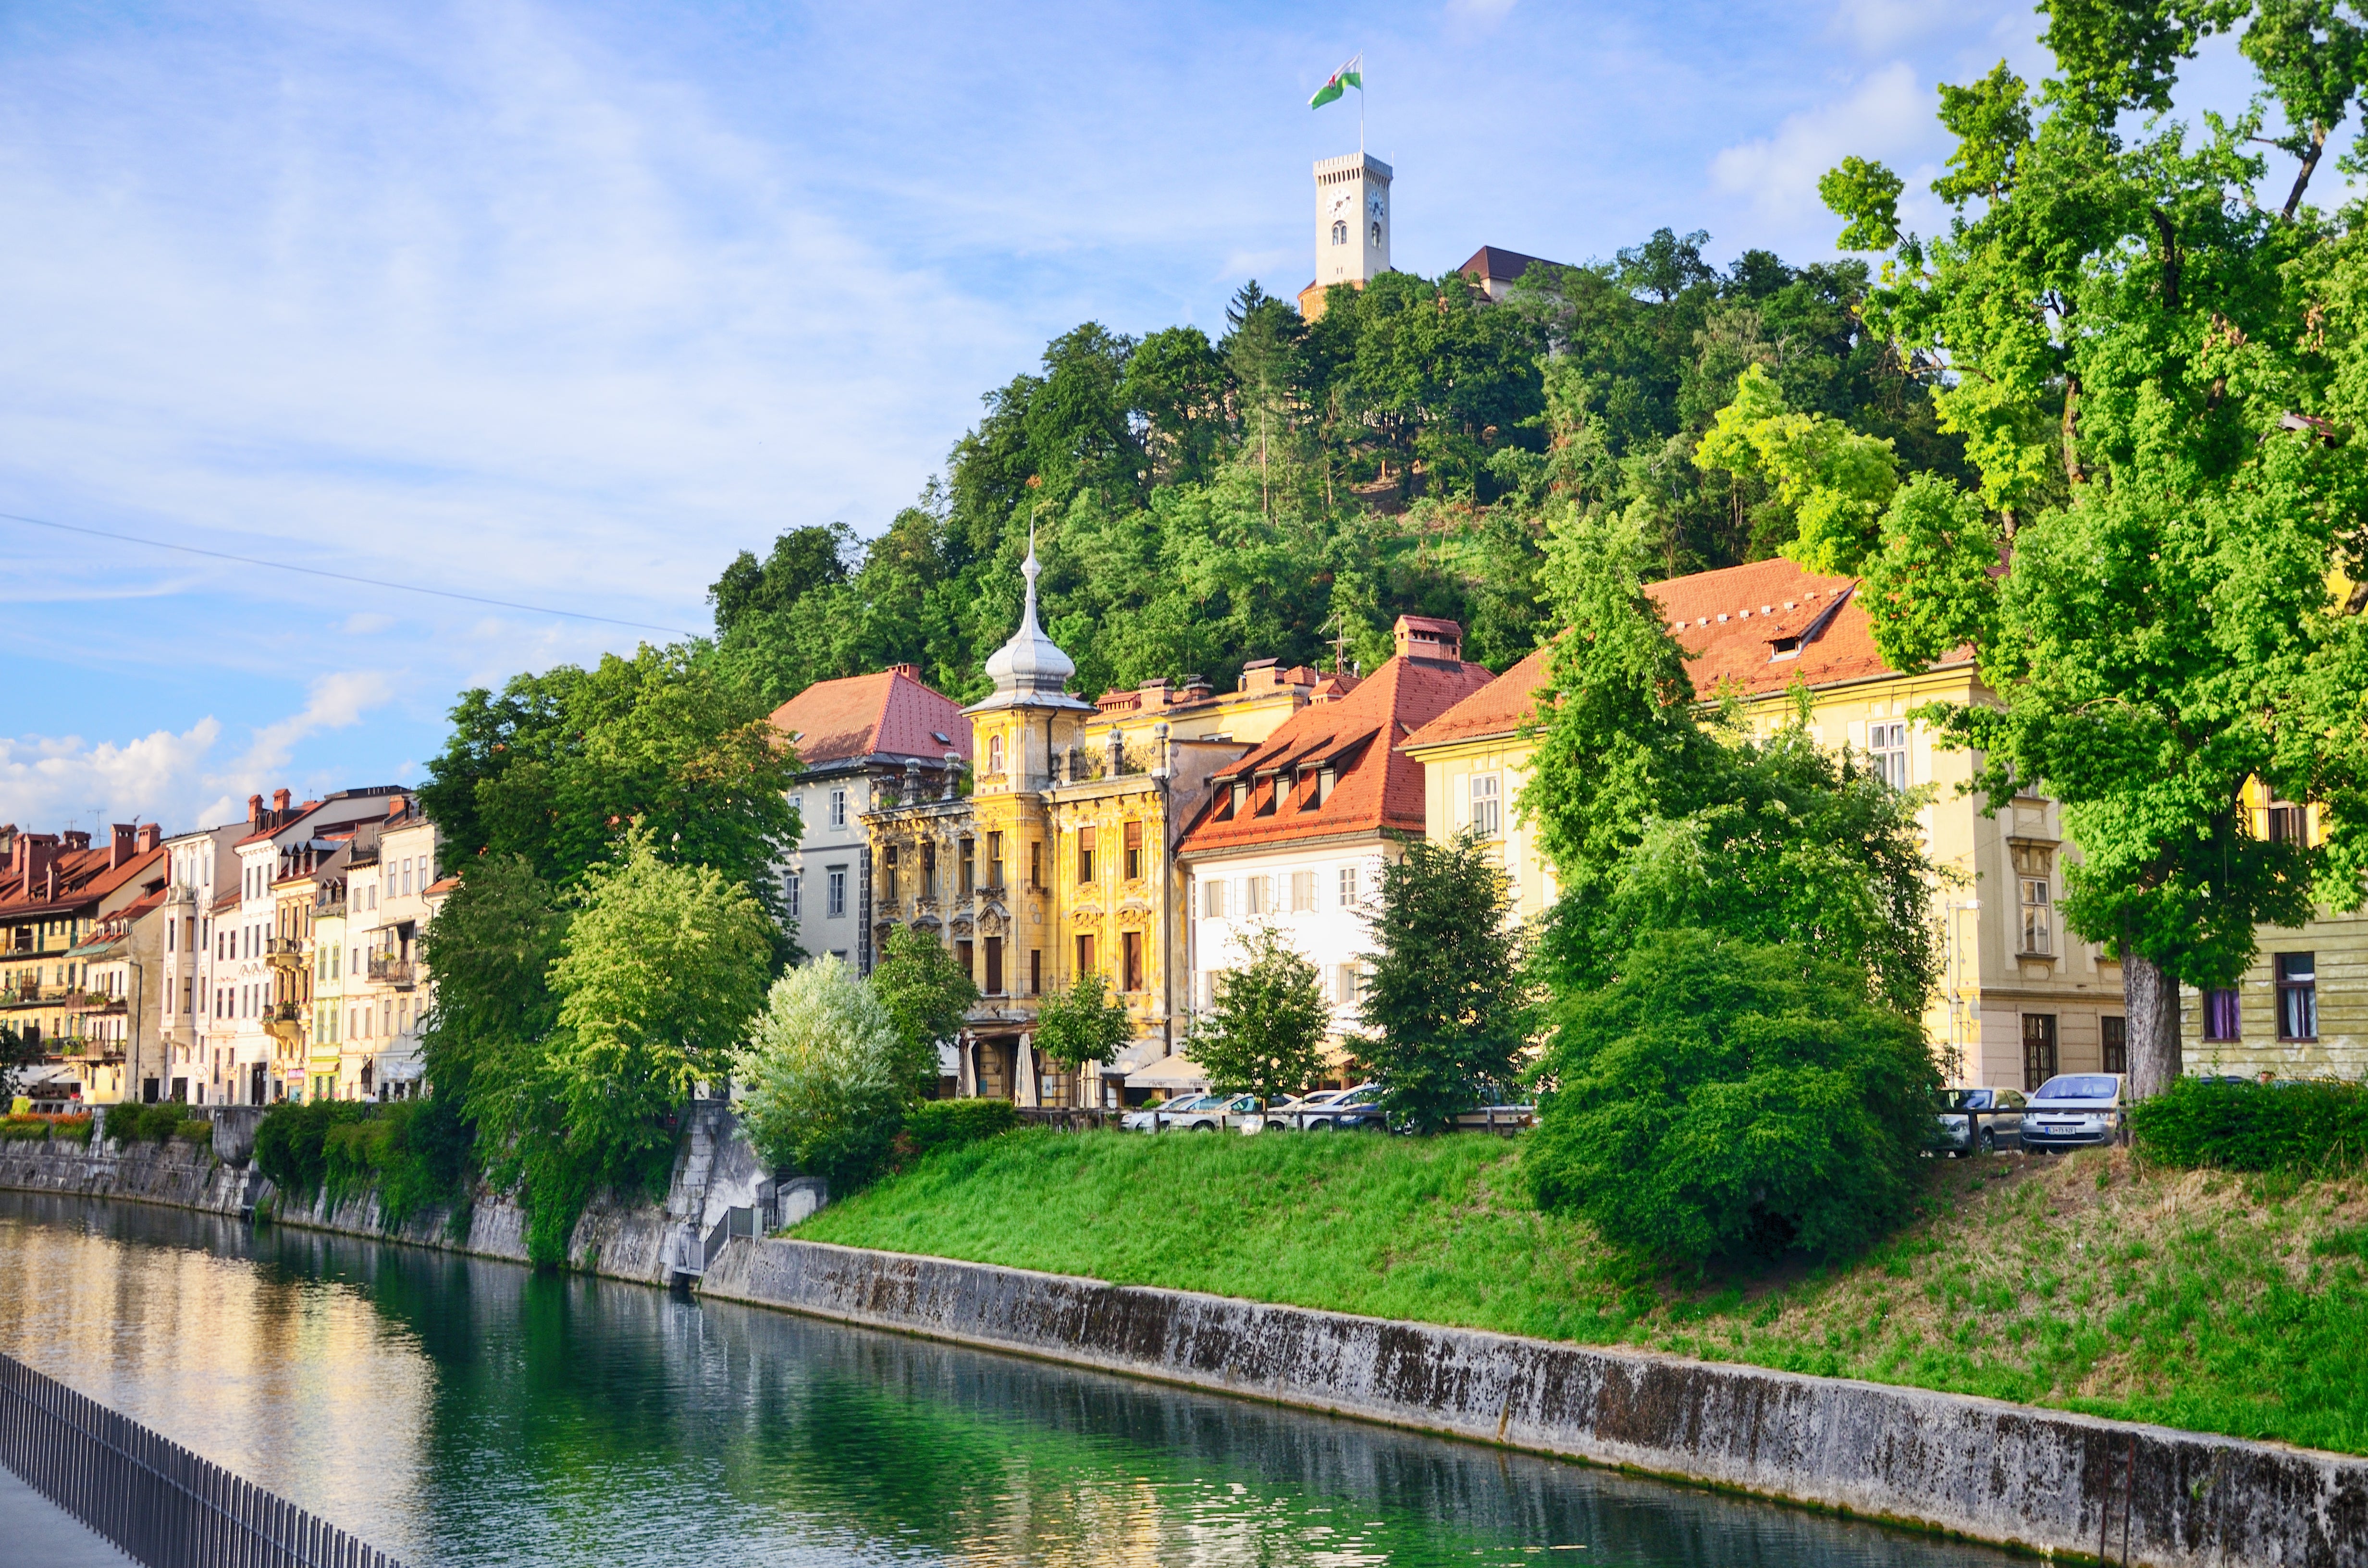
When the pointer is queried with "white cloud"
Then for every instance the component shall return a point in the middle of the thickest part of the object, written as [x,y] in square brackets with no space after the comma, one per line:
[1887,114]
[338,700]
[46,782]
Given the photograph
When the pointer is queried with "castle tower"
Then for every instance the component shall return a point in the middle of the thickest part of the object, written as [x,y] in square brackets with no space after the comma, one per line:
[1352,226]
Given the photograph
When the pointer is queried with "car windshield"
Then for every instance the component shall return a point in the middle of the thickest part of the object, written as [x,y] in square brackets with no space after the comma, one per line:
[2077,1086]
[1965,1099]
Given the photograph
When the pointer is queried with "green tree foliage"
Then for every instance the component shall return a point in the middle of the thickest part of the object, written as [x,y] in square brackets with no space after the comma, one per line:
[1081,1025]
[828,1074]
[490,946]
[927,994]
[1656,815]
[557,765]
[1200,503]
[1730,1098]
[16,1055]
[1445,1008]
[1266,1032]
[2158,377]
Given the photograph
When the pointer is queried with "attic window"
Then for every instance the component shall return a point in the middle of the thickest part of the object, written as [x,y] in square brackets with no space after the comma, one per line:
[941,737]
[1784,648]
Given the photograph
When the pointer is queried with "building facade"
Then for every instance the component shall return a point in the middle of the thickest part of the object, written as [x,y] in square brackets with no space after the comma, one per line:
[56,892]
[856,739]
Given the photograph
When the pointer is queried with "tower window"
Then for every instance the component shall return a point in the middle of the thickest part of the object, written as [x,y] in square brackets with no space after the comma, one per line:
[1339,231]
[995,754]
[1377,236]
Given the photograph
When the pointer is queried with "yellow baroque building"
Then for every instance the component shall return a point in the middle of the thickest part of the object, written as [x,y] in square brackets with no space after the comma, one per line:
[1060,859]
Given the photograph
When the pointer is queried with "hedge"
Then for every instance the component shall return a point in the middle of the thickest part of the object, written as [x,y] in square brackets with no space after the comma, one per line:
[132,1121]
[933,1125]
[2315,1128]
[414,1152]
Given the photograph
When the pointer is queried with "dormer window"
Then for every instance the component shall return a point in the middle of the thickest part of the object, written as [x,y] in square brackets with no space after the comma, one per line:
[1239,798]
[1784,648]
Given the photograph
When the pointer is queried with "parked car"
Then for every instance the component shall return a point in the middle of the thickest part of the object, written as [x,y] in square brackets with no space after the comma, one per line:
[1506,1117]
[1214,1113]
[2003,1131]
[2073,1110]
[1284,1116]
[1357,1110]
[1149,1118]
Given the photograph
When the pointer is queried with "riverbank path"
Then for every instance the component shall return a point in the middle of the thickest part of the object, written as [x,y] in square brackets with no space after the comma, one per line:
[37,1530]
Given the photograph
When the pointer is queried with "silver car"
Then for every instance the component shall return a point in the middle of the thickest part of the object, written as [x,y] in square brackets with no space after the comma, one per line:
[2075,1110]
[1149,1118]
[1358,1108]
[1285,1116]
[1214,1113]
[2002,1130]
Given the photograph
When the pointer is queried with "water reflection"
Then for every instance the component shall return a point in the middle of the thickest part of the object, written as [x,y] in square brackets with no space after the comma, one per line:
[461,1412]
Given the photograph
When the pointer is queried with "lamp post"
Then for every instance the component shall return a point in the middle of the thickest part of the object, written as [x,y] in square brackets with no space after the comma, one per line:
[1957,1006]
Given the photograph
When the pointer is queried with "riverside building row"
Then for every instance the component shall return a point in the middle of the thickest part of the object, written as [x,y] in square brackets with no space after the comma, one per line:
[1145,836]
[275,957]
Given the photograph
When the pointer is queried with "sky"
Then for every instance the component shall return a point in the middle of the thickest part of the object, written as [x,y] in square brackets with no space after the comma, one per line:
[564,306]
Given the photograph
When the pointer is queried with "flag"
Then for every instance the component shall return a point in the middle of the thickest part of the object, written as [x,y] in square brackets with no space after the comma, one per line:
[1349,76]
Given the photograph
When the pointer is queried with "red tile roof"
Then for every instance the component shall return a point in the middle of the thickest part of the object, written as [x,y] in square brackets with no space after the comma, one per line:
[889,713]
[1732,623]
[1375,785]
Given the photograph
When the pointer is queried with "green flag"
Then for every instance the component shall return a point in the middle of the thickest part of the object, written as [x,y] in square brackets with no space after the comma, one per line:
[1349,76]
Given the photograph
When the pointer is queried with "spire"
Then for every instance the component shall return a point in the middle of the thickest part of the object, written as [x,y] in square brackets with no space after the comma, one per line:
[1030,670]
[1030,569]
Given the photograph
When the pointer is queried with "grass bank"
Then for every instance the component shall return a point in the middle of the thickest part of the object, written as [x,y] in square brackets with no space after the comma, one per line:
[2209,1301]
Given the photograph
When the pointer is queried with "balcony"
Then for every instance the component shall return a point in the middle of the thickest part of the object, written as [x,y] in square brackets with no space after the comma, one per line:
[387,969]
[287,952]
[285,1020]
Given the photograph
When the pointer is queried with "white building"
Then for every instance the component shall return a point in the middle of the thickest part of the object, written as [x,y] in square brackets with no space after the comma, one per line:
[1352,226]
[1299,830]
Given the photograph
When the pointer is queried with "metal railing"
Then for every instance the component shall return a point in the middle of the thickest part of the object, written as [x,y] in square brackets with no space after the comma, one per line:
[387,968]
[161,1504]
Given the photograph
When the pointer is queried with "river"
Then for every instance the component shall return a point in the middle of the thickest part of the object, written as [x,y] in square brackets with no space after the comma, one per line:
[460,1411]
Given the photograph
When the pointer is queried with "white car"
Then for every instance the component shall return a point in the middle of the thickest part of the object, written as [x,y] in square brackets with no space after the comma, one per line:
[1148,1118]
[1286,1116]
[1215,1113]
[2074,1109]
[1358,1108]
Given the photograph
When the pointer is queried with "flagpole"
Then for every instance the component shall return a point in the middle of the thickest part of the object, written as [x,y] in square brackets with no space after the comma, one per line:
[1361,105]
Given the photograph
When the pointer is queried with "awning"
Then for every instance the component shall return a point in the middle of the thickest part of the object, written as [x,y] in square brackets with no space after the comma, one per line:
[401,1071]
[1170,1073]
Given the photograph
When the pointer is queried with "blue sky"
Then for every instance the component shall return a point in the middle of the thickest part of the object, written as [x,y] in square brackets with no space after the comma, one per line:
[565,305]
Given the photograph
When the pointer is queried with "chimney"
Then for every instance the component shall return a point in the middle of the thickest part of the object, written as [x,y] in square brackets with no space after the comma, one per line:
[118,846]
[1425,637]
[254,810]
[77,839]
[1258,675]
[910,672]
[280,799]
[1155,695]
[150,836]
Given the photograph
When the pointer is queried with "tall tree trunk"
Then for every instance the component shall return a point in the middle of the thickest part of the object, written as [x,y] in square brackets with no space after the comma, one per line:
[2150,998]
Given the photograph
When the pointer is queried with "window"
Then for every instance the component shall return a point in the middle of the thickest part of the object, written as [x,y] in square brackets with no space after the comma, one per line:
[1236,798]
[1132,841]
[888,871]
[1084,854]
[1213,899]
[2038,1048]
[967,956]
[994,860]
[839,808]
[1084,953]
[1303,892]
[838,893]
[1035,863]
[995,754]
[792,885]
[995,966]
[2297,997]
[1344,984]
[2113,1044]
[2038,928]
[1348,887]
[1035,971]
[1377,236]
[2287,826]
[1130,947]
[1257,895]
[1887,743]
[930,871]
[969,864]
[1339,231]
[406,876]
[1484,819]
[2221,1016]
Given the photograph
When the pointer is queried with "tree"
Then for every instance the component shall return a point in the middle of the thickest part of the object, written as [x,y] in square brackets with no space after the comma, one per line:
[1266,1033]
[927,995]
[1444,1001]
[16,1053]
[2157,376]
[828,1072]
[490,947]
[1727,1099]
[660,971]
[1083,1024]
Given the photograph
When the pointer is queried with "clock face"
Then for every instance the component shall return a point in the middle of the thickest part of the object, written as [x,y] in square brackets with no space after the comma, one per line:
[1340,202]
[1373,205]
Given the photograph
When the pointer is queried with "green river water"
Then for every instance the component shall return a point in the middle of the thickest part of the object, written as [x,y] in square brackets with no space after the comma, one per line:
[458,1411]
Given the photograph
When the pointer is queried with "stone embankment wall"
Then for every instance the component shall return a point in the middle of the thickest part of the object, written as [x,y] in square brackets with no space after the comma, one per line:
[2046,1480]
[716,1171]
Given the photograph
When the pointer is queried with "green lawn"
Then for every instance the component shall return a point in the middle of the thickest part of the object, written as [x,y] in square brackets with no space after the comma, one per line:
[2213,1302]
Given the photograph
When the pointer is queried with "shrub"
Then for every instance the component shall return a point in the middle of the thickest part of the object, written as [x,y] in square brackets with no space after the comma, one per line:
[130,1122]
[2316,1127]
[933,1125]
[75,1127]
[825,1088]
[1726,1097]
[26,1128]
[414,1152]
[192,1130]
[291,1142]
